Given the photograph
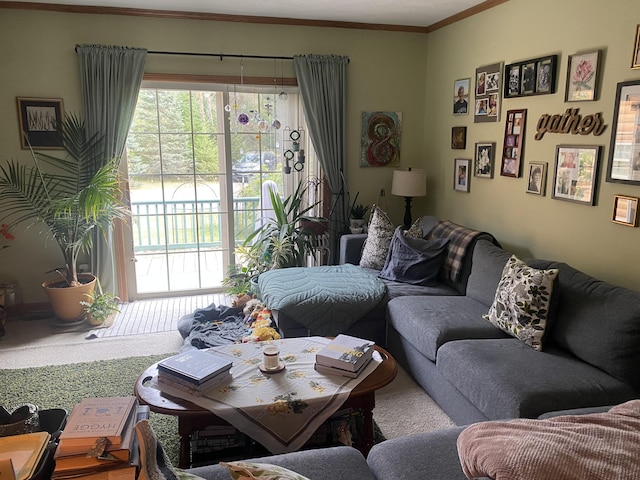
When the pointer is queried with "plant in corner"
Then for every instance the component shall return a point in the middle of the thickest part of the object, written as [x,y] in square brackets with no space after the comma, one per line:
[70,200]
[357,220]
[280,242]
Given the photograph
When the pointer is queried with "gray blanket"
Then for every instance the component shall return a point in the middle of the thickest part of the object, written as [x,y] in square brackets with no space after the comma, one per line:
[327,300]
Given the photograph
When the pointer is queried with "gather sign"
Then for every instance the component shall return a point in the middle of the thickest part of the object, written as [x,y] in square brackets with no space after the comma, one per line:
[570,122]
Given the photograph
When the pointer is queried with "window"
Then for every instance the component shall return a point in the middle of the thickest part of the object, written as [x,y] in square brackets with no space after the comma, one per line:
[198,158]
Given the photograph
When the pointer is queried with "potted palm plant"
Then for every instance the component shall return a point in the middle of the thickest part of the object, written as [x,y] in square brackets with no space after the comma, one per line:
[282,241]
[73,197]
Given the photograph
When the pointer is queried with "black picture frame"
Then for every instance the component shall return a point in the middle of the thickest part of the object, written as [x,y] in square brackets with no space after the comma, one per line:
[458,138]
[536,76]
[39,119]
[576,173]
[624,151]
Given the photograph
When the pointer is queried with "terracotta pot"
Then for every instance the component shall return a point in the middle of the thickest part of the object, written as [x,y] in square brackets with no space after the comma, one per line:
[65,301]
[97,323]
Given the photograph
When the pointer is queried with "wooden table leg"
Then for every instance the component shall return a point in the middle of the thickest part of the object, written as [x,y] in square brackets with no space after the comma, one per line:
[184,430]
[368,403]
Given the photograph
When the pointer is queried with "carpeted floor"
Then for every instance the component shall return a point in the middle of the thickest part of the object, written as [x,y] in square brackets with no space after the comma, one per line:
[62,386]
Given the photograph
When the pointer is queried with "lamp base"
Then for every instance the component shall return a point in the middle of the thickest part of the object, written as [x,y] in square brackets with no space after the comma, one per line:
[407,212]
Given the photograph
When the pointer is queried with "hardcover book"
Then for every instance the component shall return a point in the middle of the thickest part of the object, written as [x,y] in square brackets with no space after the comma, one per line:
[70,457]
[180,384]
[339,371]
[195,366]
[346,352]
[95,418]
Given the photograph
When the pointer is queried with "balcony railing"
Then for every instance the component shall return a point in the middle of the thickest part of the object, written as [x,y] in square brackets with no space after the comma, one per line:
[189,224]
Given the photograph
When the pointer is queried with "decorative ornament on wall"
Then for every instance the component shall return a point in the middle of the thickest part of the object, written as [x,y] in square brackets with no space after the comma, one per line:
[380,139]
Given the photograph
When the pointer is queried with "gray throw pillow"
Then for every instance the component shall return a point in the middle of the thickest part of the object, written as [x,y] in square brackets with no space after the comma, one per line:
[414,260]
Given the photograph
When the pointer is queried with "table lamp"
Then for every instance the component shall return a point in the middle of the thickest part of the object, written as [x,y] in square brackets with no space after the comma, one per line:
[408,184]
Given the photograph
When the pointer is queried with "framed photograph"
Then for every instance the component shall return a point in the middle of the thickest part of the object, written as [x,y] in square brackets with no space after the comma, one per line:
[458,138]
[461,96]
[512,87]
[531,77]
[483,163]
[582,77]
[625,210]
[635,61]
[576,172]
[38,119]
[537,179]
[486,105]
[513,143]
[461,174]
[624,152]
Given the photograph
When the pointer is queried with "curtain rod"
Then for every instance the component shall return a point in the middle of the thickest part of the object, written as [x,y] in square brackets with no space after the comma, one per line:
[220,55]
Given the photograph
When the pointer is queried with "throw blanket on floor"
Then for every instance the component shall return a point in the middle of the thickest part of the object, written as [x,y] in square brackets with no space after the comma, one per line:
[327,300]
[213,326]
[570,447]
[460,239]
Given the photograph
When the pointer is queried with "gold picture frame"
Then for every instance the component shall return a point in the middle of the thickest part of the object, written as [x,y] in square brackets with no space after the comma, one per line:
[625,210]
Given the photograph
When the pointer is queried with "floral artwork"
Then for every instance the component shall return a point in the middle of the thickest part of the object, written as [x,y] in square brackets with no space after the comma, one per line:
[582,75]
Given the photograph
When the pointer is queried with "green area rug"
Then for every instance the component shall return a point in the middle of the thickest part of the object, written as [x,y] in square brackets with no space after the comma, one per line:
[62,386]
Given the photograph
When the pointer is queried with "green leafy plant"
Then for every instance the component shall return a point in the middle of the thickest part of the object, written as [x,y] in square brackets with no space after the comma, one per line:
[358,211]
[73,196]
[101,305]
[280,242]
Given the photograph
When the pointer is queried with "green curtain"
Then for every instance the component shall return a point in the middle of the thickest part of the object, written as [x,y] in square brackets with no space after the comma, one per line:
[322,80]
[110,78]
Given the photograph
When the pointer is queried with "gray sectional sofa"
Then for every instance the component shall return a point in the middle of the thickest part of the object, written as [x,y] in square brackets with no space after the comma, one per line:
[476,372]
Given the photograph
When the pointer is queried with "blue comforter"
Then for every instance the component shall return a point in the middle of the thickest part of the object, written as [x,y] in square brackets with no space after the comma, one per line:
[327,300]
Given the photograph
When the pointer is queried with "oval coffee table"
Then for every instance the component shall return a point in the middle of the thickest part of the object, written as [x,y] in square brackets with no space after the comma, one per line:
[192,418]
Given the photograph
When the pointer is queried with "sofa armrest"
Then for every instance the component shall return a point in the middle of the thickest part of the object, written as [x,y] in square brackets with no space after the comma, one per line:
[351,248]
[432,455]
[334,463]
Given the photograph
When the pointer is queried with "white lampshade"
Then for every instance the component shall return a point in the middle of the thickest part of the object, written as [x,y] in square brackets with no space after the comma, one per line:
[409,183]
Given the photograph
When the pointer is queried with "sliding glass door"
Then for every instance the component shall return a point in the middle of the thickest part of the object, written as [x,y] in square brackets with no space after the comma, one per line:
[198,158]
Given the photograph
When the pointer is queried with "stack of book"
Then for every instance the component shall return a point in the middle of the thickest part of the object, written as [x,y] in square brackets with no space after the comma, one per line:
[194,371]
[345,355]
[99,440]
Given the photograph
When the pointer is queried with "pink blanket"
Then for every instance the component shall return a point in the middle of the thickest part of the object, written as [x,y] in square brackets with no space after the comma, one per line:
[581,447]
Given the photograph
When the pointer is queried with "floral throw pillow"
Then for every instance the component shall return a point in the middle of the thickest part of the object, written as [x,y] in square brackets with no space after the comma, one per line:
[260,471]
[380,233]
[521,304]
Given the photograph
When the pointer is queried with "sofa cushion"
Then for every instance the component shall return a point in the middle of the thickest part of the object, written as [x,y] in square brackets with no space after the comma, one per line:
[572,447]
[522,301]
[428,322]
[599,323]
[488,262]
[414,260]
[507,379]
[380,233]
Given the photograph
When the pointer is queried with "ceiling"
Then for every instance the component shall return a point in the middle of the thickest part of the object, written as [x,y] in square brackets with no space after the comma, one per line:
[414,13]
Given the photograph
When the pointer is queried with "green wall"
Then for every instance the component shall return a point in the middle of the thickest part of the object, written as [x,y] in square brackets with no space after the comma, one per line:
[531,225]
[387,71]
[405,72]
